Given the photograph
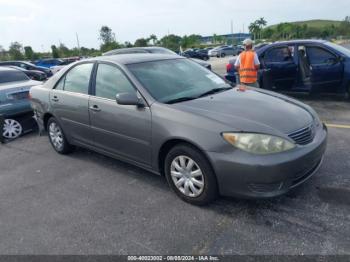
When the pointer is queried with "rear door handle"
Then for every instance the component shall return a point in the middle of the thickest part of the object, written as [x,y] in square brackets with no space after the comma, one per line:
[95,108]
[55,99]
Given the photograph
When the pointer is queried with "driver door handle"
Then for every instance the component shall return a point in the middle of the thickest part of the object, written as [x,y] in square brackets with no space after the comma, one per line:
[95,108]
[55,99]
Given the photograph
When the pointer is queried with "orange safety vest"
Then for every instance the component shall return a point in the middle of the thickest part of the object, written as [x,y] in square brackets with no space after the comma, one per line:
[247,71]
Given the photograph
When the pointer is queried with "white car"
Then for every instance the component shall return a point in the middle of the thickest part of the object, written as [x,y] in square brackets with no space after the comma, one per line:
[214,51]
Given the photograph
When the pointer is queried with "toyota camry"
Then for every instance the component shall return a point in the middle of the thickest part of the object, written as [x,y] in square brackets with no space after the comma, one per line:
[175,118]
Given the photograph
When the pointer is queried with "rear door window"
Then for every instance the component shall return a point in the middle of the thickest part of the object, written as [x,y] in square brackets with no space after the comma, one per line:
[318,56]
[278,55]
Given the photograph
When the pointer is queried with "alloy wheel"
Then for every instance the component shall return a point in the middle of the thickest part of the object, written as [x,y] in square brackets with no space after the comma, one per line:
[56,135]
[187,176]
[12,129]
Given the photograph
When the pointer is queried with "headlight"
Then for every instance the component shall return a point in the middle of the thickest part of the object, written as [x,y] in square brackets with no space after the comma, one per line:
[258,143]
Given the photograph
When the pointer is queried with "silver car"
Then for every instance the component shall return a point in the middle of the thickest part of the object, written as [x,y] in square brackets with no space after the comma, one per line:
[175,118]
[227,51]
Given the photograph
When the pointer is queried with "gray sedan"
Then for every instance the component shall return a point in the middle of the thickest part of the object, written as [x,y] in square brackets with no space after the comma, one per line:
[175,118]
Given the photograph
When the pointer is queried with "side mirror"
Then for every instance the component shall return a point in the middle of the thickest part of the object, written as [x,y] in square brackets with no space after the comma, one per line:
[130,99]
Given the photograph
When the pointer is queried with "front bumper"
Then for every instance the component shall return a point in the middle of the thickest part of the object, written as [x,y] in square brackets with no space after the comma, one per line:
[254,176]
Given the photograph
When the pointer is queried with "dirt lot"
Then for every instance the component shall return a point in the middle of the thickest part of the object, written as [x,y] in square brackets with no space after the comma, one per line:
[86,203]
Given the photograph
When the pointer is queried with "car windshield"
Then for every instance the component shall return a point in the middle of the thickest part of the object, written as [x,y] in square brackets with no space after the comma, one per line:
[339,48]
[12,76]
[177,79]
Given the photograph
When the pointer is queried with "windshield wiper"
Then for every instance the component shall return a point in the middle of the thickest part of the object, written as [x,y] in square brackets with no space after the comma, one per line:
[214,91]
[181,99]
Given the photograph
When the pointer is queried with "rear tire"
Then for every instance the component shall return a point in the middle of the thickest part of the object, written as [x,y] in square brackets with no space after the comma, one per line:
[57,138]
[190,175]
[12,129]
[223,55]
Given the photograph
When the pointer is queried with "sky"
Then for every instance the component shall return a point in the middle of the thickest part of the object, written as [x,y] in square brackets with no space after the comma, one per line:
[41,23]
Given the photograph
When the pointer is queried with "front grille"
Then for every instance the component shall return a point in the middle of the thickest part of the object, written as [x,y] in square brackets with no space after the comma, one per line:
[303,136]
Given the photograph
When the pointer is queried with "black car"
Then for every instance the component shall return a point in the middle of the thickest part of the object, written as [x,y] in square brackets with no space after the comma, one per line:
[32,74]
[192,53]
[152,50]
[27,66]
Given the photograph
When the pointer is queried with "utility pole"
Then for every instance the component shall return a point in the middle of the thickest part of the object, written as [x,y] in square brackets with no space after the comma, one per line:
[232,31]
[78,42]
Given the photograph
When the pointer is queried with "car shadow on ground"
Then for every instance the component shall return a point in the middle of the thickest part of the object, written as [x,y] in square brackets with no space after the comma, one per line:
[224,205]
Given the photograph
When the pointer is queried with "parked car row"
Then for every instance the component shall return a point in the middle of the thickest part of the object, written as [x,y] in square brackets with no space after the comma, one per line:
[311,66]
[29,67]
[222,51]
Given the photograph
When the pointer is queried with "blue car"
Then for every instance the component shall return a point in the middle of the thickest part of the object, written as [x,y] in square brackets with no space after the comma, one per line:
[15,106]
[312,66]
[48,63]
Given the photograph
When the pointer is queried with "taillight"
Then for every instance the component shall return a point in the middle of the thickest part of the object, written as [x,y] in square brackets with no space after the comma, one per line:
[228,67]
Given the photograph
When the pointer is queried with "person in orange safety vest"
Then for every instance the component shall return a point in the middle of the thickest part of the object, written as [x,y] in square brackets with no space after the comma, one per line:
[247,65]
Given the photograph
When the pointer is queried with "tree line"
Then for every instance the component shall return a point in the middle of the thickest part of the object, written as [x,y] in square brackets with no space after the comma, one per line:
[258,30]
[17,51]
[287,31]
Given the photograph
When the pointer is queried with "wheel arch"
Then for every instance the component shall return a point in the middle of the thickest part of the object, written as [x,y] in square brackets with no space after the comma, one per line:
[172,142]
[46,118]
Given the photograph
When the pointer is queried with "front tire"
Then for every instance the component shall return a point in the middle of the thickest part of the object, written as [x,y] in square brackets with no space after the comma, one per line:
[190,175]
[223,55]
[57,137]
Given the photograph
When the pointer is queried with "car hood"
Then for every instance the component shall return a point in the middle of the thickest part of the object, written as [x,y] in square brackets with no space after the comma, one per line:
[251,110]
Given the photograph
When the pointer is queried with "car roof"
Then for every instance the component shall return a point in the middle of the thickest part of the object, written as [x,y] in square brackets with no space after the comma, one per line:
[291,42]
[300,41]
[7,69]
[17,68]
[146,49]
[14,61]
[135,58]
